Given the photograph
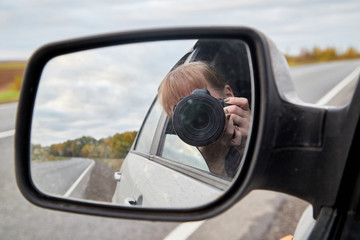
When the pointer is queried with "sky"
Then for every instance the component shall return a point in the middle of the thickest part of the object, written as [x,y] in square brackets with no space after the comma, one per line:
[98,93]
[101,92]
[25,25]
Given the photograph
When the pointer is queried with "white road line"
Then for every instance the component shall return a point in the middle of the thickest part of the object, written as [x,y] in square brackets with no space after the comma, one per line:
[340,86]
[76,183]
[8,133]
[184,230]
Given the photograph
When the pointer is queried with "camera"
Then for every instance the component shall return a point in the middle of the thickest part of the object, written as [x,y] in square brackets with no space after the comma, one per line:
[199,118]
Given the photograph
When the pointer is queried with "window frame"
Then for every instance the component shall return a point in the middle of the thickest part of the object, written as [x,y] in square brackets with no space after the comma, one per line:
[138,136]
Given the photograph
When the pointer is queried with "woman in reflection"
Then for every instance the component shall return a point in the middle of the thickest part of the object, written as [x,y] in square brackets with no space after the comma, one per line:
[224,155]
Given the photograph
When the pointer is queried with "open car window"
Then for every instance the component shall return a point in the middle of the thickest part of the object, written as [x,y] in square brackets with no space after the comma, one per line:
[157,136]
[176,150]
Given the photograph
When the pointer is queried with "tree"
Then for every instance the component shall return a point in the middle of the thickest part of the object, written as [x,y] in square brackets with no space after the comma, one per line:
[116,146]
[87,151]
[350,53]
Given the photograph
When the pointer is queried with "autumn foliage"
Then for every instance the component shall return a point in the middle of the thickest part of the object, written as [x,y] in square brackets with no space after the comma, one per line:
[116,146]
[10,80]
[322,55]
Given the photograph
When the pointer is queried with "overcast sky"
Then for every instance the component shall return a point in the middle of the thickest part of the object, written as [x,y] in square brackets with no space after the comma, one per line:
[101,92]
[72,100]
[27,24]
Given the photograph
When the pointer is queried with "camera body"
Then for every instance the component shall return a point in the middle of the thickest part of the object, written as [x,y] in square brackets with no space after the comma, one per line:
[199,118]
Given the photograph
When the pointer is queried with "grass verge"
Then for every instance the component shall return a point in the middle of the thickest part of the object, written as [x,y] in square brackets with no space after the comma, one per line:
[9,96]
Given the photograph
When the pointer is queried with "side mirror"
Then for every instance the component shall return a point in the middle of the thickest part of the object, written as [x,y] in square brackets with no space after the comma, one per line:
[82,145]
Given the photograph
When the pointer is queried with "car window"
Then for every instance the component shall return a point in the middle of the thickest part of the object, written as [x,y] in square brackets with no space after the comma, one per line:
[173,148]
[148,129]
[176,150]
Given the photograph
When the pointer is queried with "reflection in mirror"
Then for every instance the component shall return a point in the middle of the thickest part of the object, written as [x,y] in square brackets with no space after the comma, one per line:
[99,135]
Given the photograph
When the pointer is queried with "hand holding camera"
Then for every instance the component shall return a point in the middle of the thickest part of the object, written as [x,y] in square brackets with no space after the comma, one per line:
[199,119]
[238,114]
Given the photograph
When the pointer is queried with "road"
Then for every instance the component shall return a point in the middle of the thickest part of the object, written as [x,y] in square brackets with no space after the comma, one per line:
[261,215]
[7,117]
[313,81]
[22,220]
[57,177]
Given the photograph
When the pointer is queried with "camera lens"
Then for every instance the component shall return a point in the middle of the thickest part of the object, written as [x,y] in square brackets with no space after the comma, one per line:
[199,119]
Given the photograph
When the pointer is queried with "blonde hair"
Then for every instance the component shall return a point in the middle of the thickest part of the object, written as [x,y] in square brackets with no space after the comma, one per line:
[181,81]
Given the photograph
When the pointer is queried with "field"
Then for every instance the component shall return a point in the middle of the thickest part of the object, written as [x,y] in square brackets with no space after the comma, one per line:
[10,80]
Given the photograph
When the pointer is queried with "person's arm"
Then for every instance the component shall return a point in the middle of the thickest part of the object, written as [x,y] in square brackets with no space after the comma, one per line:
[235,134]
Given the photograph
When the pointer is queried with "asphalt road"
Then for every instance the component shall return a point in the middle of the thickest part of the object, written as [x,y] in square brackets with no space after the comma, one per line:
[57,177]
[22,220]
[261,215]
[313,81]
[7,116]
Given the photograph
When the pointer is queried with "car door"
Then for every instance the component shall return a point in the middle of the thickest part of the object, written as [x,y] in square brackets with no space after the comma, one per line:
[149,166]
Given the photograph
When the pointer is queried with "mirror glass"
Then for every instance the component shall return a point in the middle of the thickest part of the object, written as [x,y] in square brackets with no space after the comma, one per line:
[122,124]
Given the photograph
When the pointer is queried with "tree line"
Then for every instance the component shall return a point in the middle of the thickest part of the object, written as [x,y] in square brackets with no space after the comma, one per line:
[116,146]
[318,54]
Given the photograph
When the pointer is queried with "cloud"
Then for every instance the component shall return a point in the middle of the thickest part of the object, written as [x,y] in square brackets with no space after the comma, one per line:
[101,92]
[77,89]
[25,25]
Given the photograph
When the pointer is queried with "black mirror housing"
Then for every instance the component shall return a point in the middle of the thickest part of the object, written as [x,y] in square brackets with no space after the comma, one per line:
[288,143]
